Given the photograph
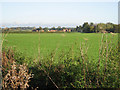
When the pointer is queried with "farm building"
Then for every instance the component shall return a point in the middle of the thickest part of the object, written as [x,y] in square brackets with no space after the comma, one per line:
[63,30]
[37,30]
[52,30]
[66,30]
[41,30]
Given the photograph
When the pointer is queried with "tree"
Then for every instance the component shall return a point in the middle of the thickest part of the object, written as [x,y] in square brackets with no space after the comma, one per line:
[59,28]
[34,28]
[91,24]
[95,28]
[101,26]
[92,28]
[77,28]
[63,28]
[86,27]
[40,28]
[110,27]
[116,28]
[46,29]
[53,28]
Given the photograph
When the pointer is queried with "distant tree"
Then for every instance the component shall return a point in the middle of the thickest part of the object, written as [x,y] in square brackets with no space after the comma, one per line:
[63,28]
[79,28]
[101,26]
[96,29]
[116,28]
[92,28]
[46,29]
[53,28]
[86,27]
[110,27]
[18,28]
[0,28]
[74,30]
[91,24]
[59,28]
[40,28]
[34,28]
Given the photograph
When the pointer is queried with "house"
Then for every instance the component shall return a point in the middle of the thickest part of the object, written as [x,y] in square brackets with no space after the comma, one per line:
[52,30]
[66,30]
[37,30]
[41,30]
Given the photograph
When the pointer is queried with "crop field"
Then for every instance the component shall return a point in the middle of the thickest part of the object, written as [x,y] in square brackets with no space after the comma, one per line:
[65,60]
[52,45]
[33,44]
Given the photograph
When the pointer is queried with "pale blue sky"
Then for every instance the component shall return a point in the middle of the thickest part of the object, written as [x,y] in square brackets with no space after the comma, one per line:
[58,13]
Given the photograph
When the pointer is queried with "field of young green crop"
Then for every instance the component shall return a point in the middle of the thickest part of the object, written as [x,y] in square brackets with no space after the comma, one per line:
[65,60]
[30,43]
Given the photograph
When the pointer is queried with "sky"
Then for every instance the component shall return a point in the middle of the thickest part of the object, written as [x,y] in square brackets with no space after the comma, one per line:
[48,14]
[59,0]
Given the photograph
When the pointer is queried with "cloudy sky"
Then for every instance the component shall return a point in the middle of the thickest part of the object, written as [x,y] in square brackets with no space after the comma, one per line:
[57,13]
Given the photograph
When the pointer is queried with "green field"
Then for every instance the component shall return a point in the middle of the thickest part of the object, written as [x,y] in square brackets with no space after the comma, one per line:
[29,43]
[62,56]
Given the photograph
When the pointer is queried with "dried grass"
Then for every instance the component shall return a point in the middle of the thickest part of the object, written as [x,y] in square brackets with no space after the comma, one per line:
[14,75]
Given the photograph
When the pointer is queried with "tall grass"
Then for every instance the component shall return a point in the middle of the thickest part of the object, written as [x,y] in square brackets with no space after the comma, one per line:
[76,70]
[15,75]
[79,71]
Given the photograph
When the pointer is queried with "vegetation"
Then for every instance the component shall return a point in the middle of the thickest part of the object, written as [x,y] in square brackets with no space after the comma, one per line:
[29,42]
[67,64]
[85,28]
[14,74]
[95,28]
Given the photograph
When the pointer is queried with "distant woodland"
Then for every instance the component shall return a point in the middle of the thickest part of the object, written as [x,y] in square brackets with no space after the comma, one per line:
[85,28]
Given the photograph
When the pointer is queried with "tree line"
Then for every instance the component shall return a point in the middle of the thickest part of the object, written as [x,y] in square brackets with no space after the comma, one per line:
[85,28]
[95,28]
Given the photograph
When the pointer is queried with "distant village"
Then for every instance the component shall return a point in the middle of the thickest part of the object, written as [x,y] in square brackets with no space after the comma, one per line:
[85,28]
[50,30]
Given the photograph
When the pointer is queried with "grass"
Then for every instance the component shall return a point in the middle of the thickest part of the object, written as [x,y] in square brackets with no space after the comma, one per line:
[74,60]
[29,43]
